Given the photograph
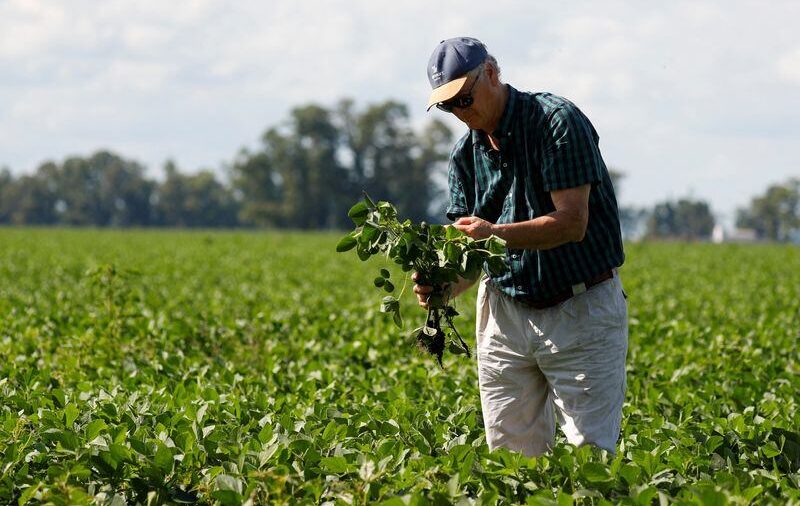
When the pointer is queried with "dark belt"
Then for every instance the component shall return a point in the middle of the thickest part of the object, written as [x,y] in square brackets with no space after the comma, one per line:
[568,293]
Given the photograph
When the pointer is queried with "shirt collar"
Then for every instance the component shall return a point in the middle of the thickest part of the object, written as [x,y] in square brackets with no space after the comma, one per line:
[503,130]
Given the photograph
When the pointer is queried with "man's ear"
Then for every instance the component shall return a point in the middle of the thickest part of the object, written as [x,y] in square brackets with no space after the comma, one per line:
[491,74]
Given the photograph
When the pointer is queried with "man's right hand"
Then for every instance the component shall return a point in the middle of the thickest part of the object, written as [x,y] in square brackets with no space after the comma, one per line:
[423,291]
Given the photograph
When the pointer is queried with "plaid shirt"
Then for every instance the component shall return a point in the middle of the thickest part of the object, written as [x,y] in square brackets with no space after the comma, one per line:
[546,144]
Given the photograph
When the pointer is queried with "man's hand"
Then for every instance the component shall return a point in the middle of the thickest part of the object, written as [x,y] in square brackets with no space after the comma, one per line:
[451,290]
[475,227]
[423,292]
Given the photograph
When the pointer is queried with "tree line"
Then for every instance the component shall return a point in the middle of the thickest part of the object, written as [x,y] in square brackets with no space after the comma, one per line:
[305,174]
[773,216]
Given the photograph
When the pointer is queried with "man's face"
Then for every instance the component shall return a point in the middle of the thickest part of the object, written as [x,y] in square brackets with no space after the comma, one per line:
[480,114]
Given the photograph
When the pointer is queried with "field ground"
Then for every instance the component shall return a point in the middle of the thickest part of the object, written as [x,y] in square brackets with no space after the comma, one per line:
[180,367]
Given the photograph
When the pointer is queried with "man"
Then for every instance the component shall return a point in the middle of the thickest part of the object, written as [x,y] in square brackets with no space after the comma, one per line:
[552,332]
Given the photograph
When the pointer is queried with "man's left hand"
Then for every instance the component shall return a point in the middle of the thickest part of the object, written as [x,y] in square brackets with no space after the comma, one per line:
[475,227]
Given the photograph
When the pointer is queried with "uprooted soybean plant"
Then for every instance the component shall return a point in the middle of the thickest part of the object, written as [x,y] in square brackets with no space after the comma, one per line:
[439,254]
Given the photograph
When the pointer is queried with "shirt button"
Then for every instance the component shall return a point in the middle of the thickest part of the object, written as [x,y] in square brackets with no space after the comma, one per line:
[519,288]
[505,164]
[515,256]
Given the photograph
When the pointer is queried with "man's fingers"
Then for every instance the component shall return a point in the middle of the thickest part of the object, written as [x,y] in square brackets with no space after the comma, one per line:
[422,289]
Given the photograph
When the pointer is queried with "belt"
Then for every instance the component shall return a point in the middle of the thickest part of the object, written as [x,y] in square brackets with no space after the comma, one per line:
[569,293]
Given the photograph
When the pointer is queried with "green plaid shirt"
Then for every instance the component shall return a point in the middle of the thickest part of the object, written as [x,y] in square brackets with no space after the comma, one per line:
[546,144]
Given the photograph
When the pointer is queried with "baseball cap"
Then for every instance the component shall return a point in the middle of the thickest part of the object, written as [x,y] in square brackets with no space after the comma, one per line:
[448,65]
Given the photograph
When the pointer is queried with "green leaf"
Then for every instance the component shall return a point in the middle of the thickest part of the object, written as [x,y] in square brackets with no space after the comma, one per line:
[94,428]
[367,234]
[227,482]
[713,443]
[388,286]
[363,254]
[347,243]
[68,439]
[334,465]
[398,320]
[358,213]
[379,282]
[630,473]
[595,472]
[752,492]
[227,497]
[116,455]
[70,414]
[496,265]
[28,494]
[452,232]
[385,273]
[369,201]
[163,458]
[456,348]
[228,490]
[564,499]
[495,245]
[452,252]
[708,496]
[389,304]
[770,450]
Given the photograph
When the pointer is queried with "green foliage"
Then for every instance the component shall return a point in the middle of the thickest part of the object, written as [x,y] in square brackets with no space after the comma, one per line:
[776,214]
[302,176]
[305,171]
[236,367]
[683,219]
[439,255]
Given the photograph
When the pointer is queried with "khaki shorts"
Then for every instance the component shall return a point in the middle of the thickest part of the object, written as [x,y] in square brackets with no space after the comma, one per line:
[566,362]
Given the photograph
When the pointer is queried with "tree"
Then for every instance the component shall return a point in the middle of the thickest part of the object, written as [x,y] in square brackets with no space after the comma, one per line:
[296,180]
[193,200]
[103,190]
[6,186]
[616,176]
[28,200]
[257,189]
[421,191]
[775,214]
[684,219]
[310,170]
[389,160]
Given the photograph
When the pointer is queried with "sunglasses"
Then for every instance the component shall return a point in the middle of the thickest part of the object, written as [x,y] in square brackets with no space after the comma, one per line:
[461,101]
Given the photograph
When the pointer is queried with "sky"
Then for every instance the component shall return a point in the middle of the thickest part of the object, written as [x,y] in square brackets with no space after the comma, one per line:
[690,98]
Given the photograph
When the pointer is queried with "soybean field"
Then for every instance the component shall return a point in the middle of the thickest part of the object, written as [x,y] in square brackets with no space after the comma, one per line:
[170,367]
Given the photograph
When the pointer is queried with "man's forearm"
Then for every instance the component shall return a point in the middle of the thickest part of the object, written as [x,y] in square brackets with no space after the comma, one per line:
[461,286]
[545,232]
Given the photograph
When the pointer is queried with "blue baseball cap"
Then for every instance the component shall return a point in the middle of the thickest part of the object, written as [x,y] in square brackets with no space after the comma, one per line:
[449,64]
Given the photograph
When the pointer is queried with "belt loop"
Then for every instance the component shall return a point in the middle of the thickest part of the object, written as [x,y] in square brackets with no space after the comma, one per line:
[579,288]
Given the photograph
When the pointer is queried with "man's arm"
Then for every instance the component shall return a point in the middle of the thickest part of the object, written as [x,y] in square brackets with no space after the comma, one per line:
[566,224]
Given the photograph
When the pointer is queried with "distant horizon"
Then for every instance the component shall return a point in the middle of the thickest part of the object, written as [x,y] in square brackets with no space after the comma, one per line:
[727,220]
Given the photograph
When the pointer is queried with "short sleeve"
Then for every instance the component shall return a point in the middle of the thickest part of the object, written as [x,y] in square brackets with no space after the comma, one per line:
[457,206]
[571,156]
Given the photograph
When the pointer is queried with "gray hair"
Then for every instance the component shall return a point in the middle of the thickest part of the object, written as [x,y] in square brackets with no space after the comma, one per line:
[489,60]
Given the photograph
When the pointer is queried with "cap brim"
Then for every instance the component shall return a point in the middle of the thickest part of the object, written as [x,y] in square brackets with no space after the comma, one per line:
[446,91]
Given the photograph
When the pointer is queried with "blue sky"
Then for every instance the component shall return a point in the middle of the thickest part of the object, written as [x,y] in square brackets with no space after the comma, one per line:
[690,98]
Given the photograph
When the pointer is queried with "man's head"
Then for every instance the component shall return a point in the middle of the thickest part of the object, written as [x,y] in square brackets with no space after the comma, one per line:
[466,81]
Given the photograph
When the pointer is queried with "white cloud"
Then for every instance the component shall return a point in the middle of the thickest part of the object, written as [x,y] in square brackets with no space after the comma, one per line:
[788,67]
[685,95]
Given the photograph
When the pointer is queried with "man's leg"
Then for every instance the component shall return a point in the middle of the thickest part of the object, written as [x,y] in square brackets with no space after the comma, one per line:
[517,412]
[583,358]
